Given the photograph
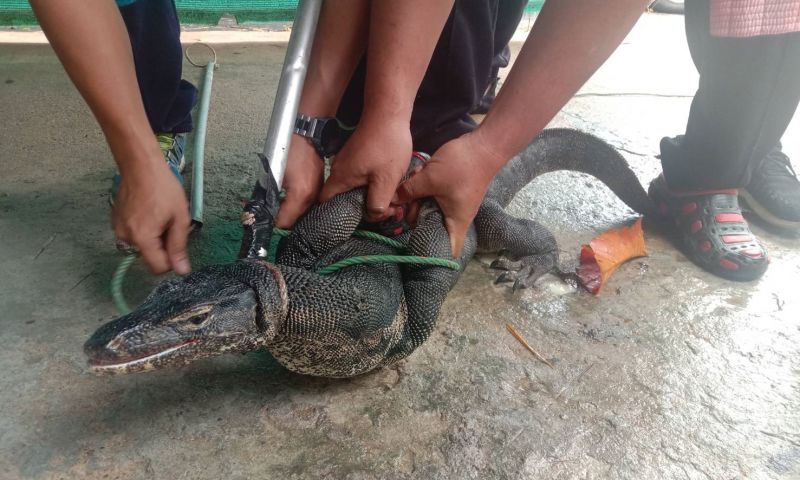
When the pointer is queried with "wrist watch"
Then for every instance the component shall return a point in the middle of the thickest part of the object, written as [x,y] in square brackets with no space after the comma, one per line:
[326,134]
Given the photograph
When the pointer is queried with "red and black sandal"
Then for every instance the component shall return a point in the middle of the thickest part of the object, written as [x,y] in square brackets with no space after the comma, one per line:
[711,231]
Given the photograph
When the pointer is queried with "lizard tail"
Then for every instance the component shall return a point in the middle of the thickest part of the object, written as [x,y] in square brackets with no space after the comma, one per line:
[567,149]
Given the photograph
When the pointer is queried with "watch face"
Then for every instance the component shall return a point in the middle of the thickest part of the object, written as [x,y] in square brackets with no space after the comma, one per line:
[330,130]
[332,136]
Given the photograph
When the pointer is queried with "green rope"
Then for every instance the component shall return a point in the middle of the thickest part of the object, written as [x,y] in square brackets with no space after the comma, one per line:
[406,259]
[116,283]
[369,259]
[379,238]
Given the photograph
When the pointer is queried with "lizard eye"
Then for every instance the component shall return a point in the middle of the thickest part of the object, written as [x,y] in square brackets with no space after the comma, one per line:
[199,319]
[194,318]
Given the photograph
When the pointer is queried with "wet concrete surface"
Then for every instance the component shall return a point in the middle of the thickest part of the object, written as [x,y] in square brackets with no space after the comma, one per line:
[668,373]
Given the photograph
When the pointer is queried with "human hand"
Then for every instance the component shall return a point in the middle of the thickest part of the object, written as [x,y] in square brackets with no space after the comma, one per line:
[457,177]
[302,181]
[377,155]
[151,214]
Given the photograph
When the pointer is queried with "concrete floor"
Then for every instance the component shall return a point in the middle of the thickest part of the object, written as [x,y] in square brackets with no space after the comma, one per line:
[668,373]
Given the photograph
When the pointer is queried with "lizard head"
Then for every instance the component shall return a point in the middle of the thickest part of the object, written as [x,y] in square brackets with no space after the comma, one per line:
[219,309]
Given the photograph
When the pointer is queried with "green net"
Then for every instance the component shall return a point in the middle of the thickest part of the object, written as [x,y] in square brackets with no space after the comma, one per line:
[208,12]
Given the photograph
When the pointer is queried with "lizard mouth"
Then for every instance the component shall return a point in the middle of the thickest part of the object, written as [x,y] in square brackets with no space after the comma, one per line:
[142,363]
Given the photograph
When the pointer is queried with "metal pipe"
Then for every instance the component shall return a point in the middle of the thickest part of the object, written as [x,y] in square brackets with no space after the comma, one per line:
[200,145]
[290,86]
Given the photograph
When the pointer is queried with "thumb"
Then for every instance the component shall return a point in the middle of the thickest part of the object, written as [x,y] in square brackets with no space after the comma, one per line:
[457,230]
[379,196]
[419,186]
[292,208]
[334,186]
[176,245]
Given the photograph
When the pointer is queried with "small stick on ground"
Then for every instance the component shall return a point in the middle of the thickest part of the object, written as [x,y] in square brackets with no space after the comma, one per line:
[80,281]
[521,340]
[44,247]
[780,303]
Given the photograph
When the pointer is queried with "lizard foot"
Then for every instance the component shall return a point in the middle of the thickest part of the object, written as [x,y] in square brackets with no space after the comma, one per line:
[524,272]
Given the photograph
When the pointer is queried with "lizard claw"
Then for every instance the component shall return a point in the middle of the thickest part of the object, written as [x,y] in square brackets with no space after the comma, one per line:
[506,277]
[524,272]
[505,263]
[525,278]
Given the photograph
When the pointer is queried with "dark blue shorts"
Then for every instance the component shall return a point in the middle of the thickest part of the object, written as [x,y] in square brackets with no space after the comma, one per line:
[155,39]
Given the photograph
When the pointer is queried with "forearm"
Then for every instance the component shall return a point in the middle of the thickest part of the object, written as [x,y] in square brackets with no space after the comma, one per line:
[568,43]
[402,37]
[90,39]
[339,43]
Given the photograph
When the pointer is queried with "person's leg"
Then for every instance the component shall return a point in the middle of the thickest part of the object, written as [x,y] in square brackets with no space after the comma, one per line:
[453,84]
[457,76]
[509,13]
[154,34]
[155,39]
[773,190]
[749,88]
[475,34]
[499,61]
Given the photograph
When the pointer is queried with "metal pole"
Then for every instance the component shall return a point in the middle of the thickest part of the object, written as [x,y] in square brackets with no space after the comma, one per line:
[200,145]
[258,215]
[290,86]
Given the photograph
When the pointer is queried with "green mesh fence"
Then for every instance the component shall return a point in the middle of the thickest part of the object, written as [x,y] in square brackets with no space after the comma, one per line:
[18,12]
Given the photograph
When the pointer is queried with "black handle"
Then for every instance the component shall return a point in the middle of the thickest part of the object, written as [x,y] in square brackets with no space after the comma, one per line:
[258,218]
